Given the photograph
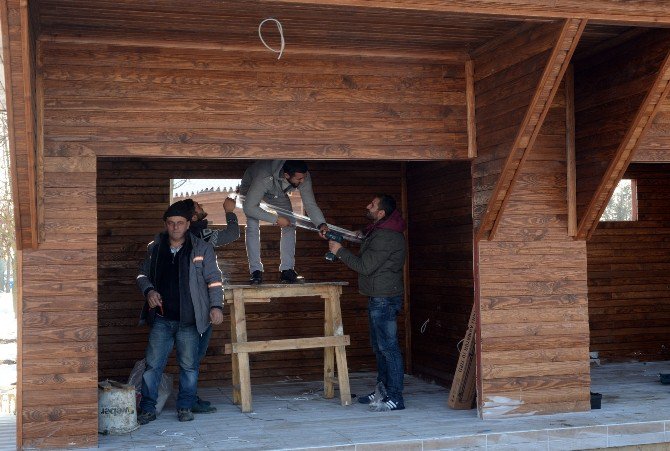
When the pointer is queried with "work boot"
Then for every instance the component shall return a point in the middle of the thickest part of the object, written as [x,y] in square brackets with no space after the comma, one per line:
[198,400]
[184,415]
[290,276]
[256,278]
[201,406]
[144,417]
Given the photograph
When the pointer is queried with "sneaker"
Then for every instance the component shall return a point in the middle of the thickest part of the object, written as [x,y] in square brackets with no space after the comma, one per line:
[387,404]
[256,278]
[290,276]
[202,401]
[199,407]
[367,399]
[144,417]
[184,415]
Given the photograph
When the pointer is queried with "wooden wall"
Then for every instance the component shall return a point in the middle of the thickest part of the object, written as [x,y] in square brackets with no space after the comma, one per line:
[655,145]
[439,201]
[507,74]
[534,335]
[616,92]
[628,274]
[132,196]
[98,100]
[134,101]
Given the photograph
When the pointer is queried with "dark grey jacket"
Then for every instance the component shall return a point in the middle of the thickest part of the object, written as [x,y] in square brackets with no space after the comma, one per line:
[379,263]
[204,278]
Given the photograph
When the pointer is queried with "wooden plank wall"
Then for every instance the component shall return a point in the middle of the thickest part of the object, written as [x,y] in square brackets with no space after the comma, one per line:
[628,267]
[507,73]
[533,293]
[132,196]
[206,103]
[439,199]
[101,100]
[655,145]
[610,87]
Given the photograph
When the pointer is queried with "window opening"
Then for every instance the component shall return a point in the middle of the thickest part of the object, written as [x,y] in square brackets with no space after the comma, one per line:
[622,206]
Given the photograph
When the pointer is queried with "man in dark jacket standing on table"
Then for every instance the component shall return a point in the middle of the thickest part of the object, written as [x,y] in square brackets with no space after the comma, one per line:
[380,277]
[182,284]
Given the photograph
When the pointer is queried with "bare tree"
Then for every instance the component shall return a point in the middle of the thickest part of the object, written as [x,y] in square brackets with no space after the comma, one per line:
[620,205]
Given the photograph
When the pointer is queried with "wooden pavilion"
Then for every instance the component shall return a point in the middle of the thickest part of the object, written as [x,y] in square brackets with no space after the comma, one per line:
[504,126]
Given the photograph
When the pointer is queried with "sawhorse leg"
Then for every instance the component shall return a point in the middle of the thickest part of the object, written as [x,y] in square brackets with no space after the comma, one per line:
[340,351]
[241,359]
[328,352]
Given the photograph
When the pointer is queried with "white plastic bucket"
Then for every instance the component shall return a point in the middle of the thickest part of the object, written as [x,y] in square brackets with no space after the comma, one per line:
[116,408]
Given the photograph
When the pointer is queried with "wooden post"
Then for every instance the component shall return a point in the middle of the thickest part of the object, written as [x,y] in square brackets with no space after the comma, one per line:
[243,357]
[235,366]
[340,352]
[329,352]
[571,162]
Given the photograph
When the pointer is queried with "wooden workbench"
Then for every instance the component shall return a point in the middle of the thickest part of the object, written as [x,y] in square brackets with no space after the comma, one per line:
[333,341]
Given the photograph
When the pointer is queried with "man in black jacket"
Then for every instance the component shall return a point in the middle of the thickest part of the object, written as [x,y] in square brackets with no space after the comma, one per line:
[380,277]
[182,284]
[217,238]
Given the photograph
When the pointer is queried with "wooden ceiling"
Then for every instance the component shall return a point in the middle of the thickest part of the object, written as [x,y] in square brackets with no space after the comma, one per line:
[312,28]
[235,24]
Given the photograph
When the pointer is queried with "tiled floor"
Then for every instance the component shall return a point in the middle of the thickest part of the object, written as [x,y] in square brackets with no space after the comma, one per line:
[292,414]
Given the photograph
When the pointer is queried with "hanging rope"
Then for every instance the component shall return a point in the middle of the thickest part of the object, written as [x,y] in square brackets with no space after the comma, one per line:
[281,34]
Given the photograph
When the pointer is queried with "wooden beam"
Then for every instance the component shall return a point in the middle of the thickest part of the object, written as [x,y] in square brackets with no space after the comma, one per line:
[288,344]
[566,39]
[470,107]
[656,42]
[640,12]
[18,56]
[571,165]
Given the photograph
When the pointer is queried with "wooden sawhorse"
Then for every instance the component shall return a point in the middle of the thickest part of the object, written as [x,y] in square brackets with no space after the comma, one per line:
[333,341]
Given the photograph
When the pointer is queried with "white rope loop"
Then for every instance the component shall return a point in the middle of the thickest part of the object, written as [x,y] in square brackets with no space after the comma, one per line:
[281,34]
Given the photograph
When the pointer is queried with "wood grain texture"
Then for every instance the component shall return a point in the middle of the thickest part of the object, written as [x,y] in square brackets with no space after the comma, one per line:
[126,223]
[533,292]
[440,274]
[557,42]
[629,300]
[612,114]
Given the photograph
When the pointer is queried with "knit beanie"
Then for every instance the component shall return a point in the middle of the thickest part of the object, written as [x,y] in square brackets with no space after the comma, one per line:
[183,208]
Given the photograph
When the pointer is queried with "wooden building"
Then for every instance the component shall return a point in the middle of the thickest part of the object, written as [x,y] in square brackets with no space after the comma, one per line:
[504,126]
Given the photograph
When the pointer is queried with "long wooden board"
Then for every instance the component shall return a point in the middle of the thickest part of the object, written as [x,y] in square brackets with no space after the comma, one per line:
[462,393]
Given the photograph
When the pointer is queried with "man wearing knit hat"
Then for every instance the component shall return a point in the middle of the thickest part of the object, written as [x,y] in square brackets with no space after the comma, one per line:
[182,284]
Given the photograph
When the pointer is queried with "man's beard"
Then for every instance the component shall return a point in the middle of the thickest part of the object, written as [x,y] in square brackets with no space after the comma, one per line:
[368,214]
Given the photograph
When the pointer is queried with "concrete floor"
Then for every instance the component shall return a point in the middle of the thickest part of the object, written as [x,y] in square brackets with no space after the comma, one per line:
[292,414]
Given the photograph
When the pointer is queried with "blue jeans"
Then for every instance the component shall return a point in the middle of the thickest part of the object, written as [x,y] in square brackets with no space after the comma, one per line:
[383,313]
[164,335]
[203,343]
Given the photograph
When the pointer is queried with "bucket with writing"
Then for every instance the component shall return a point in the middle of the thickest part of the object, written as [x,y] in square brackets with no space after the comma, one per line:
[116,408]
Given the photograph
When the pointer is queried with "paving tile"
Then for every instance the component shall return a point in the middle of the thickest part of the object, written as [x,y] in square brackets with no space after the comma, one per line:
[455,443]
[636,433]
[409,445]
[514,438]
